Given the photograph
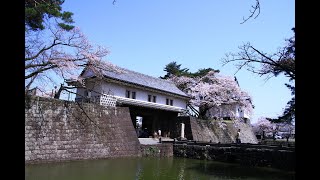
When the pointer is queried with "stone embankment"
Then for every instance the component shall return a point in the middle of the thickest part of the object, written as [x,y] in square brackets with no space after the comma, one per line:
[245,154]
[57,130]
[209,131]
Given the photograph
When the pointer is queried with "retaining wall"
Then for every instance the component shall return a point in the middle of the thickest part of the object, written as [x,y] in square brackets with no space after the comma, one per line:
[157,150]
[275,157]
[57,130]
[209,131]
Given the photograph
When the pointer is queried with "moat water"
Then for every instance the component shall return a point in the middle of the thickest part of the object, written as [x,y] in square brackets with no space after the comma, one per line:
[171,168]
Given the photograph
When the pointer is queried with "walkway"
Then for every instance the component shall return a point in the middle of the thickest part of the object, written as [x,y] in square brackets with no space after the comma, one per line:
[153,140]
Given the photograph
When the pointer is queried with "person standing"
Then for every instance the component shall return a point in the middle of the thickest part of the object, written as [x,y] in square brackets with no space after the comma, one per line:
[238,140]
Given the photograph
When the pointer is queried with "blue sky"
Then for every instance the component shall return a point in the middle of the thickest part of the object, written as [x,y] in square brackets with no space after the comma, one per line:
[144,36]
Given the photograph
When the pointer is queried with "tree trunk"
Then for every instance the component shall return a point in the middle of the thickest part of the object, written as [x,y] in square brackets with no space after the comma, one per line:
[29,84]
[58,93]
[202,112]
[274,136]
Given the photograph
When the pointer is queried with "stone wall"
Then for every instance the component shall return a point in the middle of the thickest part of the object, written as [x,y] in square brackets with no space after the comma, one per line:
[208,130]
[57,130]
[157,150]
[281,158]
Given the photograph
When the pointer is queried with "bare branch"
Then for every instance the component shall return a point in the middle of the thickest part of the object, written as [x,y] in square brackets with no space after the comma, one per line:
[39,71]
[270,64]
[29,84]
[255,8]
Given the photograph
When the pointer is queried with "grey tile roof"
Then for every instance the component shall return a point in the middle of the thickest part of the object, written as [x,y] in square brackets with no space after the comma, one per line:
[133,77]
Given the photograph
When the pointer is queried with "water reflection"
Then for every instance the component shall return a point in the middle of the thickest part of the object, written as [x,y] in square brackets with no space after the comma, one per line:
[181,169]
[150,168]
[138,171]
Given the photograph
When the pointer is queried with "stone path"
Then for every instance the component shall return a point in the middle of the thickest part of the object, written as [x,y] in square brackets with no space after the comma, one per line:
[152,140]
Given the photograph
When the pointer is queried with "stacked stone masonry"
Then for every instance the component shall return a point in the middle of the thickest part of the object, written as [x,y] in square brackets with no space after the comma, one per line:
[157,150]
[209,131]
[57,130]
[243,154]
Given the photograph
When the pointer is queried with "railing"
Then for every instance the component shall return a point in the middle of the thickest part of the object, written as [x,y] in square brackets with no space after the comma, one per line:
[108,100]
[194,112]
[104,100]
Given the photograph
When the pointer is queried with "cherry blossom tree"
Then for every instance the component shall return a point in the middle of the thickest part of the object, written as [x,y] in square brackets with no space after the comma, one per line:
[275,129]
[262,126]
[286,128]
[55,55]
[289,130]
[213,90]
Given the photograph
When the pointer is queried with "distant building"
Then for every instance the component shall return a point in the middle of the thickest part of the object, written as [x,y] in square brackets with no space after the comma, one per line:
[228,112]
[231,111]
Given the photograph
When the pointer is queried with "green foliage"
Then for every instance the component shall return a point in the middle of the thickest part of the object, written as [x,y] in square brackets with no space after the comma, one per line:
[151,151]
[288,61]
[288,114]
[37,12]
[202,72]
[174,69]
[65,26]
